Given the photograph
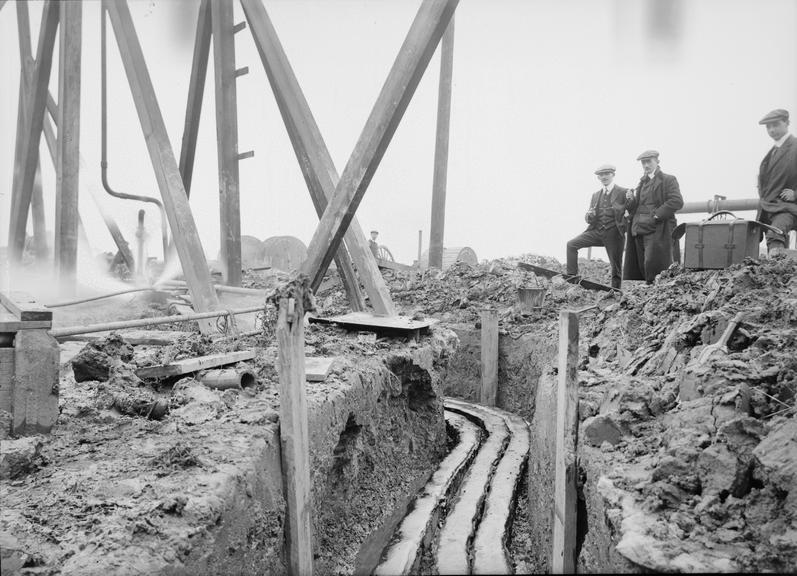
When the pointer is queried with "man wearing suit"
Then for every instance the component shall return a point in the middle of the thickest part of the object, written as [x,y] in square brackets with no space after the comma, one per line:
[606,225]
[652,207]
[777,181]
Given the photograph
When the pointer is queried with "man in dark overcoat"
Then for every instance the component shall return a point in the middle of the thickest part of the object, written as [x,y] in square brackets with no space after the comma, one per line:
[652,207]
[777,181]
[606,225]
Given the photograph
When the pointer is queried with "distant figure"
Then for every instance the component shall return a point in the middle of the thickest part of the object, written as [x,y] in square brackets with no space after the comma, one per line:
[652,207]
[373,245]
[777,181]
[606,225]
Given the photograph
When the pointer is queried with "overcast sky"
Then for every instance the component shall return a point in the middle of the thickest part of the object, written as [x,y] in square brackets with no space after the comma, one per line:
[543,92]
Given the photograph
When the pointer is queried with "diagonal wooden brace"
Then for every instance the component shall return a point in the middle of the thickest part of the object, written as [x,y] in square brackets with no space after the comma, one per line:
[428,27]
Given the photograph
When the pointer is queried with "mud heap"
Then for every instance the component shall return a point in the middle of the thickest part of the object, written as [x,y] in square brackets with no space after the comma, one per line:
[690,449]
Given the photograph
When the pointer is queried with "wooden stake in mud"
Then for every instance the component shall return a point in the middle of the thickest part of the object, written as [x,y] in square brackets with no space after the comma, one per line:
[294,438]
[564,522]
[489,392]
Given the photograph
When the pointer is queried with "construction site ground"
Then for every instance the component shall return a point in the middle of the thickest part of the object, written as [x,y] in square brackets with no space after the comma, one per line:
[687,455]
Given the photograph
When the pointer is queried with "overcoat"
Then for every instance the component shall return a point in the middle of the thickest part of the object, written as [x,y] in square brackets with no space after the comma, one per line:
[667,200]
[775,175]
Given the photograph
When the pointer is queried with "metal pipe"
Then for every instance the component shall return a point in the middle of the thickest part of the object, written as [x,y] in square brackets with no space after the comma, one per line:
[154,321]
[719,203]
[223,288]
[104,141]
[100,297]
[228,378]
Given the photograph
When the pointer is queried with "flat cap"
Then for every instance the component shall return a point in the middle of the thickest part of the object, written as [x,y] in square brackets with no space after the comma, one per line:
[775,116]
[605,168]
[648,154]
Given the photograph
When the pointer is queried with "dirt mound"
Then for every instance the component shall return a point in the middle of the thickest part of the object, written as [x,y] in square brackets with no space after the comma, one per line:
[691,435]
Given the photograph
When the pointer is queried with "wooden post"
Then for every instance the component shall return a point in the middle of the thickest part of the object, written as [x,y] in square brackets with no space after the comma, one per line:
[294,436]
[196,91]
[227,139]
[430,22]
[68,146]
[25,164]
[167,174]
[564,523]
[315,161]
[420,247]
[441,149]
[25,79]
[489,364]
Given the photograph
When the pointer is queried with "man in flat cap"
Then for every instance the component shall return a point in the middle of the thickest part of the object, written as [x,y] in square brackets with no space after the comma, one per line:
[652,207]
[606,225]
[373,244]
[777,181]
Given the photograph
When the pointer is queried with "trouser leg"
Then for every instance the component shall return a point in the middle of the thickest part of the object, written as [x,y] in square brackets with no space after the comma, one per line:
[613,241]
[785,222]
[583,240]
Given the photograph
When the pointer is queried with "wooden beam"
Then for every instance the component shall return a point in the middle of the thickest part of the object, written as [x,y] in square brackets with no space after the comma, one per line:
[440,177]
[566,466]
[35,392]
[489,357]
[316,163]
[167,174]
[430,22]
[68,146]
[294,436]
[227,140]
[188,365]
[26,77]
[25,164]
[196,91]
[116,234]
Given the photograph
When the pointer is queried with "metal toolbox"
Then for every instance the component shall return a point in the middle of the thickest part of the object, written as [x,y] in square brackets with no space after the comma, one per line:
[714,244]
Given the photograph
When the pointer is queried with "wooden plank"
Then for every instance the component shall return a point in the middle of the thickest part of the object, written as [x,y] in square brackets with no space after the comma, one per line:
[68,146]
[35,396]
[188,365]
[196,92]
[25,164]
[430,22]
[134,337]
[546,273]
[364,320]
[316,163]
[316,369]
[394,265]
[566,466]
[10,323]
[181,220]
[227,140]
[294,436]
[489,357]
[24,306]
[440,177]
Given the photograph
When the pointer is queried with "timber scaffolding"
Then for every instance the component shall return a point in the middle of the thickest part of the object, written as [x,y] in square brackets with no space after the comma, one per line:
[335,196]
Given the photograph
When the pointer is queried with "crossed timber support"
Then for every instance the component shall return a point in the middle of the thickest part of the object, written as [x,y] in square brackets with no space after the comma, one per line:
[428,27]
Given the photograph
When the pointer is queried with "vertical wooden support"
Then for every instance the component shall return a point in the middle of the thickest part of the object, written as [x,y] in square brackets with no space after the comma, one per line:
[420,247]
[167,173]
[563,560]
[26,76]
[35,394]
[489,364]
[430,22]
[25,164]
[440,178]
[68,146]
[227,139]
[196,91]
[294,436]
[315,161]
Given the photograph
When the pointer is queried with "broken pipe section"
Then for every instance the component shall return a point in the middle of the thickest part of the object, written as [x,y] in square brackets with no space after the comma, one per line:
[228,378]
